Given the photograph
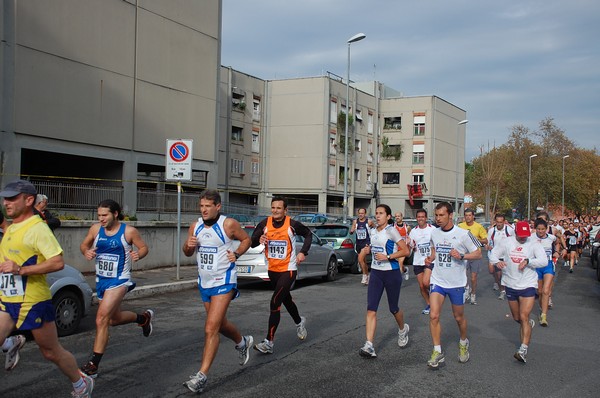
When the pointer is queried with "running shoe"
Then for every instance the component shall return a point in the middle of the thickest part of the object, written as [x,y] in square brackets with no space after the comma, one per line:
[532,323]
[368,278]
[550,303]
[502,295]
[463,352]
[436,359]
[496,286]
[543,321]
[89,370]
[406,275]
[521,355]
[13,355]
[364,279]
[403,336]
[264,346]
[87,391]
[426,310]
[301,328]
[196,383]
[147,325]
[367,351]
[244,352]
[571,270]
[473,299]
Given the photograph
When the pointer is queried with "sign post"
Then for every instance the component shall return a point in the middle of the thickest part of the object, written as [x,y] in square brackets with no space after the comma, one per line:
[178,168]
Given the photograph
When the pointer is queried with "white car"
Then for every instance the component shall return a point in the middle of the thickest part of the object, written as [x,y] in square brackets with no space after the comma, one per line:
[321,261]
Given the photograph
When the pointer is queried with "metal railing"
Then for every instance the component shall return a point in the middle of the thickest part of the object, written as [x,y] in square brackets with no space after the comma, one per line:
[78,196]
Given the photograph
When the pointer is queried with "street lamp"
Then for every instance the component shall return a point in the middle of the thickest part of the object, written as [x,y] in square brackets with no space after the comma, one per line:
[355,38]
[458,163]
[529,190]
[563,185]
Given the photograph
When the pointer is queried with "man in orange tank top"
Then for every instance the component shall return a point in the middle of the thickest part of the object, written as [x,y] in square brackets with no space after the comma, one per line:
[278,234]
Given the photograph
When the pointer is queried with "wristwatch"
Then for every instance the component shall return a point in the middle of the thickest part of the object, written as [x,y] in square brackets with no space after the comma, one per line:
[462,256]
[237,255]
[388,257]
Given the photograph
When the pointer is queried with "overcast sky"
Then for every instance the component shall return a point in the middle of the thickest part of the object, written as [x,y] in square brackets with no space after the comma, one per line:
[504,62]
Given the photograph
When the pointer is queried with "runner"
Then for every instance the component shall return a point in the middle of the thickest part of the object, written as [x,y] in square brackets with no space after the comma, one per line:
[522,256]
[28,252]
[420,241]
[111,243]
[545,274]
[213,239]
[500,231]
[473,266]
[404,230]
[571,237]
[385,275]
[361,227]
[278,234]
[451,248]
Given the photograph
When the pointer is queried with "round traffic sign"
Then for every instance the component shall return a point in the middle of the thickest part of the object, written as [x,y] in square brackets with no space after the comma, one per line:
[179,152]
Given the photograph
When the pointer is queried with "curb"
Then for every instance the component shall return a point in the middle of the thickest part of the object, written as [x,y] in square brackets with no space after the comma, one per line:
[151,290]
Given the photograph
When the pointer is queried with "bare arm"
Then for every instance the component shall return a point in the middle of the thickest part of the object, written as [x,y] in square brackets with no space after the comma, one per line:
[189,247]
[86,248]
[133,235]
[52,264]
[235,231]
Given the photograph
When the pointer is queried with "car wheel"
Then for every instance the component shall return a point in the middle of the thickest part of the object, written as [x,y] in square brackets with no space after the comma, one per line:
[332,270]
[593,259]
[69,311]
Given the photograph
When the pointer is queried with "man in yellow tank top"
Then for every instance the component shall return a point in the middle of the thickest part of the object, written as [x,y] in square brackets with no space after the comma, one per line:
[473,266]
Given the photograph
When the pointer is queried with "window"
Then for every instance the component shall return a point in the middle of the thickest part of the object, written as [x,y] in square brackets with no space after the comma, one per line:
[341,175]
[256,109]
[419,123]
[394,123]
[332,174]
[369,152]
[237,134]
[418,178]
[369,185]
[332,145]
[255,167]
[418,153]
[333,111]
[237,166]
[237,99]
[356,174]
[255,142]
[370,123]
[391,178]
[357,145]
[358,115]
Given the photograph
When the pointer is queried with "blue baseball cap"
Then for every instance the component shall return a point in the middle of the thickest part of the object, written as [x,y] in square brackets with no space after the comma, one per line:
[17,187]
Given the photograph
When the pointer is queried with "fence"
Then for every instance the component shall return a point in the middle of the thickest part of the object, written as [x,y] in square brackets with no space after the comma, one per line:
[68,195]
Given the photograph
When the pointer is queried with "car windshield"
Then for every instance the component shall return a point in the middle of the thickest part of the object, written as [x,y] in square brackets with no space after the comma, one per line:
[337,232]
[304,218]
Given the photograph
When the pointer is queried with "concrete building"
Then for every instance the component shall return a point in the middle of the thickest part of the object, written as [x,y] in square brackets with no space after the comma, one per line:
[91,91]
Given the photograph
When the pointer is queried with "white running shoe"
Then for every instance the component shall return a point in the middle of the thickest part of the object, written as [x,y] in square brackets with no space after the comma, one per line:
[12,355]
[502,295]
[301,328]
[264,346]
[364,279]
[87,391]
[403,336]
[196,383]
[244,352]
[367,351]
[496,286]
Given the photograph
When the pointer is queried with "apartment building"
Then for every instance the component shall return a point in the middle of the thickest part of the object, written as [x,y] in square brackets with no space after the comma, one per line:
[91,91]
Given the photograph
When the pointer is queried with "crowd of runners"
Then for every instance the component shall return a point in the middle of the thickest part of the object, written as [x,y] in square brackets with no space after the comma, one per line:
[446,260]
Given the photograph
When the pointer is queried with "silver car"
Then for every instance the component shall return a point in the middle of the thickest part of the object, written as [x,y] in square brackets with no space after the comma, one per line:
[321,261]
[72,298]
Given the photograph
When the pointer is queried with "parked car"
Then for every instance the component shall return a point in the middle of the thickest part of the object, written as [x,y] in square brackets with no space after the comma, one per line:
[321,261]
[339,238]
[595,246]
[311,218]
[242,218]
[72,298]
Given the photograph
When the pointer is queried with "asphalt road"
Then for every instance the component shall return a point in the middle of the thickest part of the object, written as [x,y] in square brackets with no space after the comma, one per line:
[562,361]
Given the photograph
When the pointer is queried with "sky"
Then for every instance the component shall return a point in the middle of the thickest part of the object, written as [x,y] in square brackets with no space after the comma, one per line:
[505,63]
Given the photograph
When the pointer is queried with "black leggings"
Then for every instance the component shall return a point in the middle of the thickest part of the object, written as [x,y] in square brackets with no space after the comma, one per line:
[282,283]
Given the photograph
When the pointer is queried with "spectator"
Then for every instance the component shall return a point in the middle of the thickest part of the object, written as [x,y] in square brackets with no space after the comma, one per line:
[41,203]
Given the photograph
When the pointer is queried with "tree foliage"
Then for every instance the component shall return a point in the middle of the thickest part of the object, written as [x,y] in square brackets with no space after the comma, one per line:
[499,177]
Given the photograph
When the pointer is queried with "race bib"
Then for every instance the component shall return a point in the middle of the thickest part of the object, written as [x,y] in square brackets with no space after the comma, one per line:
[107,265]
[424,249]
[443,256]
[207,257]
[375,250]
[11,285]
[572,240]
[277,249]
[361,234]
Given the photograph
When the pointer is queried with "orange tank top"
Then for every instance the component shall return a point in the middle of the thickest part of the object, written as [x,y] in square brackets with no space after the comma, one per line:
[280,250]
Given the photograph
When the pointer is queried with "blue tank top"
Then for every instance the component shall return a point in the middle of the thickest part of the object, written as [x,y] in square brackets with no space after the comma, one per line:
[362,233]
[113,259]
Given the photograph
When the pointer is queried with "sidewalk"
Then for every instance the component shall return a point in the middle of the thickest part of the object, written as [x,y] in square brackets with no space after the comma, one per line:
[158,280]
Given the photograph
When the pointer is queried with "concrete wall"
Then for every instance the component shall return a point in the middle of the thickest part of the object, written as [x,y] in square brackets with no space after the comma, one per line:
[161,238]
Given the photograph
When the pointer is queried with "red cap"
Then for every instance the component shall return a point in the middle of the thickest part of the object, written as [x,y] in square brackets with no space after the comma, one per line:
[522,229]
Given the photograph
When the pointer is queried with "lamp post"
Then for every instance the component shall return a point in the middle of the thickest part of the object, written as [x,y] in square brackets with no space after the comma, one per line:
[458,164]
[529,190]
[563,185]
[355,38]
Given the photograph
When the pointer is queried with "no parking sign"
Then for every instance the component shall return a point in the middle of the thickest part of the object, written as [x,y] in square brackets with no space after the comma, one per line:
[179,160]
